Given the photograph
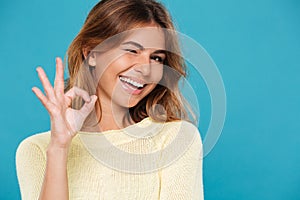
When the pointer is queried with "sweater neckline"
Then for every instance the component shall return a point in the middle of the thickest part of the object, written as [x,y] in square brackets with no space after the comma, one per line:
[141,124]
[143,130]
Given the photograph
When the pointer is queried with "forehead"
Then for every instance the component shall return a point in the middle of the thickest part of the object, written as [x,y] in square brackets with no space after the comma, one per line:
[148,37]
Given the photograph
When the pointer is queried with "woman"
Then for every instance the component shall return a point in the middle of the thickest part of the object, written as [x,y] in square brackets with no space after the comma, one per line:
[117,86]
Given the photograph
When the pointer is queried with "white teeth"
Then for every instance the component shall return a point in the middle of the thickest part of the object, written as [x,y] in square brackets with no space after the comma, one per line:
[136,84]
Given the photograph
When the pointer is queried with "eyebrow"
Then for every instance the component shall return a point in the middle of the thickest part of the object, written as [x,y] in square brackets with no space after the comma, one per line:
[139,46]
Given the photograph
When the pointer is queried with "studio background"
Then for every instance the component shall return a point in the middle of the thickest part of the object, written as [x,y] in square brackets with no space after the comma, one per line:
[256,46]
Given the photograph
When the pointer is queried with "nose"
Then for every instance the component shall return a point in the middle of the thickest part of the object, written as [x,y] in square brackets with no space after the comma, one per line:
[143,64]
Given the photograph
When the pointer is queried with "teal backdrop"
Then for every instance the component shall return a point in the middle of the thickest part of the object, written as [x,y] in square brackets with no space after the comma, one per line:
[256,46]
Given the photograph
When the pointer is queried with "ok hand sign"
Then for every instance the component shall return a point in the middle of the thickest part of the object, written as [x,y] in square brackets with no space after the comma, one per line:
[65,121]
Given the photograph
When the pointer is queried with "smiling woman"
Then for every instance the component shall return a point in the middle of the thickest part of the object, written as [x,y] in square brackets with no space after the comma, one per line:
[124,66]
[132,71]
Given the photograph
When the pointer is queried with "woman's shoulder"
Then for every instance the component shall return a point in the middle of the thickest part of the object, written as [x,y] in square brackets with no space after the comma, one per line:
[183,123]
[38,141]
[183,126]
[180,131]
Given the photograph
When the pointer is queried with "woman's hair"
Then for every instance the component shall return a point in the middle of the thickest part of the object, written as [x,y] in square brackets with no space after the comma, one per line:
[111,17]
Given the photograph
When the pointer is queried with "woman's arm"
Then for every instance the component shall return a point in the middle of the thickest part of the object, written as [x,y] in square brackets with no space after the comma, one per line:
[182,180]
[30,166]
[55,185]
[65,122]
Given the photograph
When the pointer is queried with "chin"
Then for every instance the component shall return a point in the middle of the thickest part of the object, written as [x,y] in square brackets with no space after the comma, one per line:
[133,103]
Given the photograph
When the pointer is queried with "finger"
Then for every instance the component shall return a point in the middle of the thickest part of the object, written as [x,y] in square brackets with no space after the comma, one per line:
[75,91]
[45,82]
[68,101]
[44,100]
[59,77]
[88,107]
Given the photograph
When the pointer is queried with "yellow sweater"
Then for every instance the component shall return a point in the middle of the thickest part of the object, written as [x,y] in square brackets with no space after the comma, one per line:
[102,173]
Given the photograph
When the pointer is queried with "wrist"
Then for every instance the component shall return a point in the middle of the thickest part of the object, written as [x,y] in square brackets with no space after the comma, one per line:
[57,149]
[59,142]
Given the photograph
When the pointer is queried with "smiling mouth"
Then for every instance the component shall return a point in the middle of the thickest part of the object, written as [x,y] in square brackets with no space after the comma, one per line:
[133,83]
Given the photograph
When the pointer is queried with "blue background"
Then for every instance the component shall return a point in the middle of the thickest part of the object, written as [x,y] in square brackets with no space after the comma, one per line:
[256,46]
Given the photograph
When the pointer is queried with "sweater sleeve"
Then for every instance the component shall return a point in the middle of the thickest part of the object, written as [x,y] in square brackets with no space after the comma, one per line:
[30,164]
[182,180]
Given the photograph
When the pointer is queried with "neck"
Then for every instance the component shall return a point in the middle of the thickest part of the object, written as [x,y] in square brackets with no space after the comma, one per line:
[113,117]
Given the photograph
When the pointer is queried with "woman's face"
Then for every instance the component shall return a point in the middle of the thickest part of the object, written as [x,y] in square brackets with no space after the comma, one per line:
[129,72]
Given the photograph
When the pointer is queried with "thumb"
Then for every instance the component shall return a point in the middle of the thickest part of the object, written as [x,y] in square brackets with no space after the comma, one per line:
[88,106]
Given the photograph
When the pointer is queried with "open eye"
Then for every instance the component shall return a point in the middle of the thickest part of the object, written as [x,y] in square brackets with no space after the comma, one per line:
[157,59]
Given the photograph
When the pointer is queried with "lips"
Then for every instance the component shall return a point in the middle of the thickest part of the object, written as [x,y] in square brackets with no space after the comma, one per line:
[132,85]
[133,82]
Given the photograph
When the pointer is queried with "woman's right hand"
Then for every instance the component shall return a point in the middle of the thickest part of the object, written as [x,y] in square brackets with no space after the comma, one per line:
[65,121]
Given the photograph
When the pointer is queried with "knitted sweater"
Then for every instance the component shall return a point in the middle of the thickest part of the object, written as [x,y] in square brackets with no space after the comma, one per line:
[102,173]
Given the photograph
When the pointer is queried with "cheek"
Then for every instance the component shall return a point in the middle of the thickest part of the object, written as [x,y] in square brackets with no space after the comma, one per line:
[157,73]
[111,71]
[112,62]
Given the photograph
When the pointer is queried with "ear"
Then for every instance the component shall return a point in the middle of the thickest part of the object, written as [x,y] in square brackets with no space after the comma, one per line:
[92,59]
[90,56]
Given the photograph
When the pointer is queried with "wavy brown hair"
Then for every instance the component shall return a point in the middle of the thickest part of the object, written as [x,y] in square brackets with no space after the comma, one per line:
[111,17]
